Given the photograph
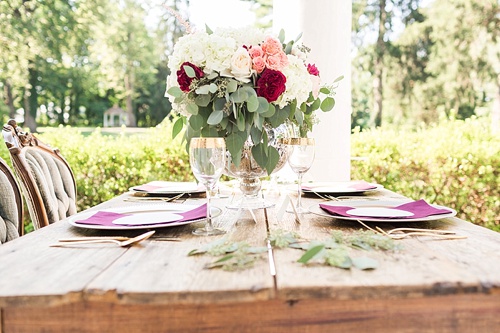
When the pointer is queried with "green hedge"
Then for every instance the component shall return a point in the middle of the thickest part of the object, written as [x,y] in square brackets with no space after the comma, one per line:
[455,164]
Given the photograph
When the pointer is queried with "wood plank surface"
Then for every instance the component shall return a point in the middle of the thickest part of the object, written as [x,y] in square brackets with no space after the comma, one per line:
[428,285]
[471,313]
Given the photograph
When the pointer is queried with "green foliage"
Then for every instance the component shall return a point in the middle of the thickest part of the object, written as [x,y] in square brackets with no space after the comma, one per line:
[456,164]
[105,166]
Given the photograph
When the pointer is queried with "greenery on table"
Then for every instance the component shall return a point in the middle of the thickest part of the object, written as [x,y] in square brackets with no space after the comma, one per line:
[455,164]
[333,251]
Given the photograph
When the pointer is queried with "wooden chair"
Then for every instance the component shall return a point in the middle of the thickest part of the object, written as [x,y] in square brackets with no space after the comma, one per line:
[11,205]
[46,179]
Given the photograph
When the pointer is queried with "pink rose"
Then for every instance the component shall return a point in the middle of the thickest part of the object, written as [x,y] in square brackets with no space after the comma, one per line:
[255,52]
[258,64]
[277,62]
[312,69]
[271,85]
[184,80]
[272,46]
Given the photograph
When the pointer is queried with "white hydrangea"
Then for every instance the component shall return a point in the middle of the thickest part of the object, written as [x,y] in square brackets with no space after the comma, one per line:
[189,48]
[298,83]
[218,53]
[243,35]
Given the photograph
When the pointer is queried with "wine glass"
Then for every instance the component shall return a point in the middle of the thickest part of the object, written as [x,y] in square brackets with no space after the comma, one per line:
[207,157]
[300,159]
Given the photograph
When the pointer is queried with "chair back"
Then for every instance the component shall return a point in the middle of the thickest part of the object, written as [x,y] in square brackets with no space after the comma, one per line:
[11,205]
[46,179]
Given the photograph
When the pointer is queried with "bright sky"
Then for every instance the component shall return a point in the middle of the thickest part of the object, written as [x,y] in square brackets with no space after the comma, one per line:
[220,13]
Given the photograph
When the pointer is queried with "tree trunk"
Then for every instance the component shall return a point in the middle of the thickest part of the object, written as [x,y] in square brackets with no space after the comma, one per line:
[31,100]
[495,112]
[9,99]
[378,71]
[129,88]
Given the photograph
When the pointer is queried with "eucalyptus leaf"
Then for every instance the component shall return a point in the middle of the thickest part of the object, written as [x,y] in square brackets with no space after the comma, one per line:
[324,90]
[256,135]
[298,37]
[288,47]
[259,153]
[258,121]
[263,105]
[273,158]
[196,122]
[364,263]
[256,249]
[177,128]
[205,89]
[270,111]
[175,91]
[252,104]
[239,96]
[189,71]
[192,108]
[219,104]
[208,30]
[240,122]
[234,143]
[215,117]
[338,79]
[213,88]
[209,132]
[203,100]
[232,85]
[281,36]
[327,104]
[299,116]
[311,253]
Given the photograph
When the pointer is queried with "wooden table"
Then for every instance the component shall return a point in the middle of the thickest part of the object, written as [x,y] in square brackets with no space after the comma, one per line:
[428,286]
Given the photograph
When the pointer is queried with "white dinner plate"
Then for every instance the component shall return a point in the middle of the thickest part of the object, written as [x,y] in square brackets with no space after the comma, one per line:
[147,218]
[137,210]
[164,187]
[372,204]
[337,188]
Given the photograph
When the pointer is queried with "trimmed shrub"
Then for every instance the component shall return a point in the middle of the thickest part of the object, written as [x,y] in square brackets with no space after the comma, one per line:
[456,164]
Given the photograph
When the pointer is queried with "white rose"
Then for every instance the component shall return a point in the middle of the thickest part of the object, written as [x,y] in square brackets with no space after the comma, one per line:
[241,66]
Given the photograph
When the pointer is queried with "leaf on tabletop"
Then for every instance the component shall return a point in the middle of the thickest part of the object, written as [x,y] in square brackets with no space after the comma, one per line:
[364,263]
[256,249]
[311,253]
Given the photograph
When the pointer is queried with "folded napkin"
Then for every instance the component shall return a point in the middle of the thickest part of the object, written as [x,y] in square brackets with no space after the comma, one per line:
[358,185]
[419,208]
[107,218]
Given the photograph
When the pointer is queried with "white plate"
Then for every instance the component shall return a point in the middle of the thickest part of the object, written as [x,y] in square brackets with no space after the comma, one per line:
[316,209]
[170,188]
[337,188]
[147,218]
[137,209]
[379,212]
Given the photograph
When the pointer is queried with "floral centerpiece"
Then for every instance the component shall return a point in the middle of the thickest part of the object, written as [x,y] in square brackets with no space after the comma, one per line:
[233,83]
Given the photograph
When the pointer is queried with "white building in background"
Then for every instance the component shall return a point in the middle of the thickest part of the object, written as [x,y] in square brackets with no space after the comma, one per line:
[326,29]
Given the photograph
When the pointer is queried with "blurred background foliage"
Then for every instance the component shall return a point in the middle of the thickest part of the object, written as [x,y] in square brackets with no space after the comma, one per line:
[425,73]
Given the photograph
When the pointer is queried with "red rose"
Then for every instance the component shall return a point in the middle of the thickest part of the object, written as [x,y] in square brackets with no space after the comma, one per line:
[312,69]
[184,80]
[271,85]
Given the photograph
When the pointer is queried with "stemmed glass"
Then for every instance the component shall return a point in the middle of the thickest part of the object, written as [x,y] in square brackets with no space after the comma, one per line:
[300,159]
[207,157]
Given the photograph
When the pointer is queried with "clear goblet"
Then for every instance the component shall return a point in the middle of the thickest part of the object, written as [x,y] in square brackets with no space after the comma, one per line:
[207,157]
[300,159]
